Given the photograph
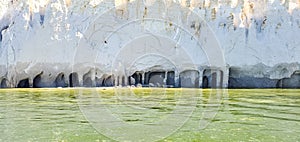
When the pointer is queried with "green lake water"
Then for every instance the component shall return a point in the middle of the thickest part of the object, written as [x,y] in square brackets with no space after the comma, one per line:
[197,114]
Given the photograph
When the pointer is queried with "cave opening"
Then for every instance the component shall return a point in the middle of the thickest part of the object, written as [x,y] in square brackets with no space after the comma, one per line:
[4,83]
[221,79]
[23,83]
[37,81]
[189,79]
[157,79]
[171,78]
[73,80]
[137,76]
[123,81]
[205,82]
[87,80]
[60,80]
[207,78]
[108,81]
[214,80]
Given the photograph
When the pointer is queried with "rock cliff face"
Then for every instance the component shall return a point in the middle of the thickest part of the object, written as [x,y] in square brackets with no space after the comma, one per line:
[162,43]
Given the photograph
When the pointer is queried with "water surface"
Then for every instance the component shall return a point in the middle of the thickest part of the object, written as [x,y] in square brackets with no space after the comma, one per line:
[230,115]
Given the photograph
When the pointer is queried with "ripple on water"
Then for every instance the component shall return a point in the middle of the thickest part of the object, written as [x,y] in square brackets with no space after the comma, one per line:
[243,115]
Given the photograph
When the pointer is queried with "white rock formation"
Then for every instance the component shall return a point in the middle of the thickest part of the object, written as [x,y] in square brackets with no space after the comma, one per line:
[103,42]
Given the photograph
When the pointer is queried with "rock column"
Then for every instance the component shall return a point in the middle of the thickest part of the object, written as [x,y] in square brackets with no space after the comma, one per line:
[176,78]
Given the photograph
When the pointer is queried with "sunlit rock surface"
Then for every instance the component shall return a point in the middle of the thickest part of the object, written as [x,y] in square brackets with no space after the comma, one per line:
[149,42]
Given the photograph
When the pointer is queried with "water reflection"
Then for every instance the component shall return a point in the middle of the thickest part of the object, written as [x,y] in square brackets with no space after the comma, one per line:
[61,114]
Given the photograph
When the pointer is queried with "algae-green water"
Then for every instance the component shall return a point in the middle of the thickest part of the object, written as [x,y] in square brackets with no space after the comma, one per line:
[214,115]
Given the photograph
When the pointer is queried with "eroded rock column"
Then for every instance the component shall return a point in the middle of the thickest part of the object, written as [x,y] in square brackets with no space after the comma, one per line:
[176,78]
[200,77]
[225,77]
